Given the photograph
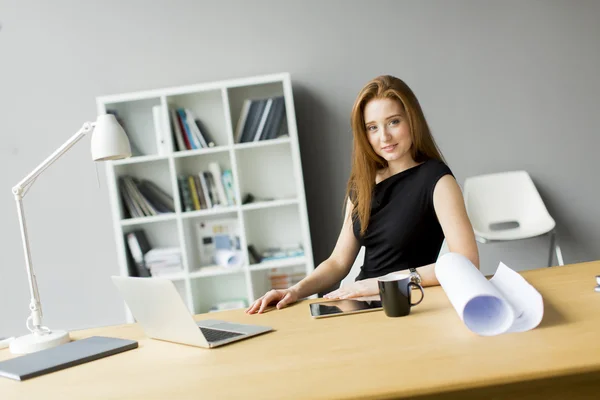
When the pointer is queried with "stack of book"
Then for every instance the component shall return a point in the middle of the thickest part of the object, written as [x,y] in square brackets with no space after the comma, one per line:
[188,131]
[282,279]
[163,261]
[261,119]
[278,253]
[207,189]
[143,198]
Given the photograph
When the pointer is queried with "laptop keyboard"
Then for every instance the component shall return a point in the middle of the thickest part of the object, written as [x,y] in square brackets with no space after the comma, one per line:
[214,335]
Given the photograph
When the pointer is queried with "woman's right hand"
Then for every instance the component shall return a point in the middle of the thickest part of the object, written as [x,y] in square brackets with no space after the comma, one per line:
[283,297]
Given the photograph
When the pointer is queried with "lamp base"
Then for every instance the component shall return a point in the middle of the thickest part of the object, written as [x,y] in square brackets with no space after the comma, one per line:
[36,342]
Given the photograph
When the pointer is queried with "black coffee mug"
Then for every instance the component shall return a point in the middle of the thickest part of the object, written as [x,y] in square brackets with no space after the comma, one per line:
[395,291]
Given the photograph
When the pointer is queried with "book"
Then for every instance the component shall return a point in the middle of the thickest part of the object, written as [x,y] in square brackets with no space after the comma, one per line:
[273,129]
[227,179]
[161,196]
[162,143]
[215,170]
[186,195]
[185,132]
[195,131]
[194,192]
[205,190]
[242,120]
[263,119]
[205,133]
[176,131]
[138,246]
[253,121]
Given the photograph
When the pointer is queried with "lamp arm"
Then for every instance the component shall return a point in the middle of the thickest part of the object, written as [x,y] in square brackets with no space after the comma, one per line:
[19,191]
[28,180]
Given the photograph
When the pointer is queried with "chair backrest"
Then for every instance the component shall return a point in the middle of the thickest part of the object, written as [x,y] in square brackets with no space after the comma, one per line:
[501,198]
[355,270]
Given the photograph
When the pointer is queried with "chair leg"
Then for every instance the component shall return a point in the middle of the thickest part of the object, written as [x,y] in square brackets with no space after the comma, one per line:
[552,248]
[559,256]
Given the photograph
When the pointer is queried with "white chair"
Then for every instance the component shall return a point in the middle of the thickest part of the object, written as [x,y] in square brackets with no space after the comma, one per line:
[507,206]
[355,270]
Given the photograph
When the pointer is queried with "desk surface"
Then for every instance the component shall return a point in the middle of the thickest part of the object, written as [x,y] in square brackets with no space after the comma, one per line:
[357,356]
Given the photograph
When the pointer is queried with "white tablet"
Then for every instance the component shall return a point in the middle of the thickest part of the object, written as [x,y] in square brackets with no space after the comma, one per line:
[333,308]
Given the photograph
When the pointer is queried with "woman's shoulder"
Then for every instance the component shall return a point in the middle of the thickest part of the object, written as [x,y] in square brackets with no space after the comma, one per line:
[435,169]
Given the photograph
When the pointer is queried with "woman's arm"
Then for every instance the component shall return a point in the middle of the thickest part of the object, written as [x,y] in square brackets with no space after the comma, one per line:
[337,266]
[449,206]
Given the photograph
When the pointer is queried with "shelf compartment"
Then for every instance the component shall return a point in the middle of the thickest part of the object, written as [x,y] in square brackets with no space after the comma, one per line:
[267,172]
[203,236]
[239,95]
[269,228]
[220,288]
[137,120]
[264,280]
[207,107]
[186,166]
[158,172]
[261,143]
[158,235]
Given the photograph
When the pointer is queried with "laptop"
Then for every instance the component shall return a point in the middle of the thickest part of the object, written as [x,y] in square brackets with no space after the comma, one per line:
[156,304]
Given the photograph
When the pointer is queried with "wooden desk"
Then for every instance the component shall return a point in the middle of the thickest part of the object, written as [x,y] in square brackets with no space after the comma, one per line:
[429,353]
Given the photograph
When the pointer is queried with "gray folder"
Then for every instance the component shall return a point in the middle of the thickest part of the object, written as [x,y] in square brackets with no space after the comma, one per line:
[63,356]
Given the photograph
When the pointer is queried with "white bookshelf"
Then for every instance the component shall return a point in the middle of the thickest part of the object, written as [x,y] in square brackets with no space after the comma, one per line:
[269,169]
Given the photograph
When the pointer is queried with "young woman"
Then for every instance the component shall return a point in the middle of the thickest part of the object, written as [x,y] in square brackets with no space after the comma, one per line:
[402,201]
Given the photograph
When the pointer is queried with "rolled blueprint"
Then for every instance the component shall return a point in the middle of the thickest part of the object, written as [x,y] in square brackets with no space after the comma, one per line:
[227,258]
[505,303]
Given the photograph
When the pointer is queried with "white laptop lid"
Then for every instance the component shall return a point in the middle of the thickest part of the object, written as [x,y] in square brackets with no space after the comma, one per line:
[160,310]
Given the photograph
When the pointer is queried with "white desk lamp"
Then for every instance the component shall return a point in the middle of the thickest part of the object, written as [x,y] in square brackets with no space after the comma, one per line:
[109,142]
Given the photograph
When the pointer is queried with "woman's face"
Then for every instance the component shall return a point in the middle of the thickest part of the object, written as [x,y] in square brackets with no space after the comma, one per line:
[387,130]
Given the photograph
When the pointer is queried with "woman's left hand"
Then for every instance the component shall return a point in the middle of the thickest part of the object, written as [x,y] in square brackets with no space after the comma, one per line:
[366,287]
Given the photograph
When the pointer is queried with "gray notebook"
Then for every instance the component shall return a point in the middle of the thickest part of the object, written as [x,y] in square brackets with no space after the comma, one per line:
[63,356]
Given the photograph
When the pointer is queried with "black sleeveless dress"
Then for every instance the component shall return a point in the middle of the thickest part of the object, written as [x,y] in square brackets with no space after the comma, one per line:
[403,230]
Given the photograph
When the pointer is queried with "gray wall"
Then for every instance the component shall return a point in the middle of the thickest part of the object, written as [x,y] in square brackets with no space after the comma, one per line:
[505,85]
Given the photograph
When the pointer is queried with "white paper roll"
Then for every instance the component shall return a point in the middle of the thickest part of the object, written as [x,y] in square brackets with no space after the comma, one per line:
[506,303]
[227,258]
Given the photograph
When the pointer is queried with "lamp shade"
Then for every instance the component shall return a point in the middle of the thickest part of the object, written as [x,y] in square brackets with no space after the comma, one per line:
[109,141]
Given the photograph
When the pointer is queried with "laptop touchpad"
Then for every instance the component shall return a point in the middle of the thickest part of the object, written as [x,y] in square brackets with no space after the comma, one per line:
[230,327]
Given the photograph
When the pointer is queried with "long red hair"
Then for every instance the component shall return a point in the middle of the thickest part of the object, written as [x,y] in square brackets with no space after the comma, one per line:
[365,162]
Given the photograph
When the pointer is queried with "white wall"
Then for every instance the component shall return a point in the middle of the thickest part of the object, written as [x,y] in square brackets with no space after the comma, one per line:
[504,84]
